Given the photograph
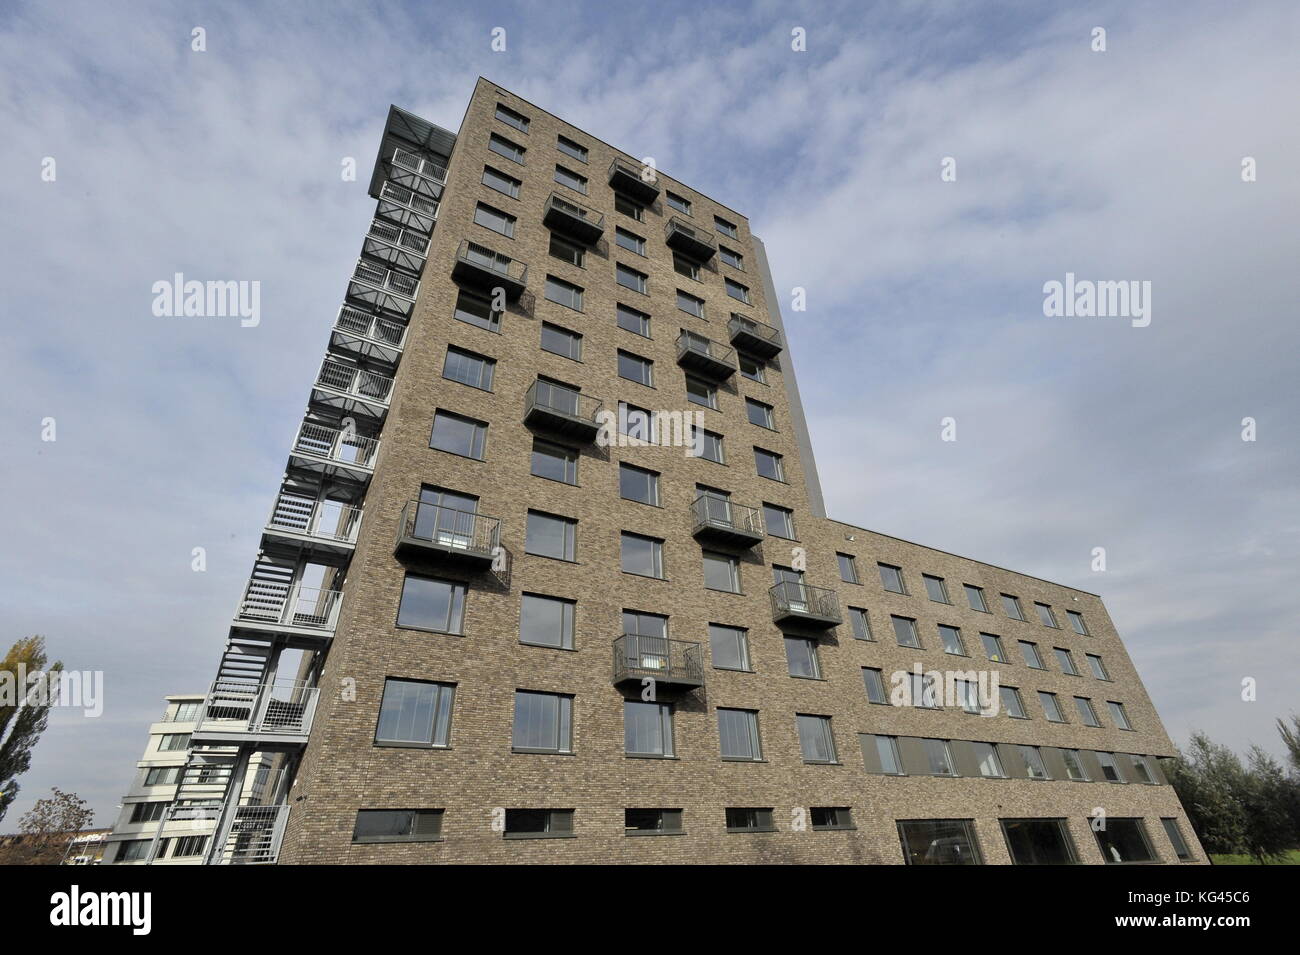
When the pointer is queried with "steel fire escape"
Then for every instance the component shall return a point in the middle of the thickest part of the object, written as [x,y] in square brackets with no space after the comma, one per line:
[254,724]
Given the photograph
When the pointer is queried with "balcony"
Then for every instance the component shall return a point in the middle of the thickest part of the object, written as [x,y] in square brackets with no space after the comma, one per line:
[406,207]
[329,525]
[411,162]
[272,606]
[479,266]
[573,219]
[366,335]
[431,530]
[626,177]
[796,603]
[352,389]
[707,358]
[279,711]
[383,289]
[689,241]
[753,337]
[562,411]
[725,522]
[253,836]
[401,248]
[330,451]
[667,662]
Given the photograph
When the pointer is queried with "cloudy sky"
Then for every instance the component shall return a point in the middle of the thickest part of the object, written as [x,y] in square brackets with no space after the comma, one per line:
[924,296]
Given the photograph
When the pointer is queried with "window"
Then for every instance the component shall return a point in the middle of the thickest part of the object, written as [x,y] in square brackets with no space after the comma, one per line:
[677,202]
[936,589]
[635,422]
[690,304]
[186,712]
[905,631]
[725,227]
[986,757]
[801,657]
[538,824]
[468,368]
[831,817]
[1176,839]
[884,751]
[707,445]
[631,278]
[993,647]
[555,462]
[1124,841]
[701,392]
[566,251]
[729,647]
[458,435]
[769,464]
[1066,661]
[861,623]
[628,207]
[1143,770]
[1118,715]
[543,722]
[629,240]
[751,368]
[968,695]
[647,728]
[476,310]
[495,219]
[431,604]
[171,742]
[1051,707]
[922,691]
[975,597]
[546,621]
[749,820]
[1109,768]
[561,341]
[721,572]
[1011,702]
[1011,605]
[189,846]
[732,258]
[629,319]
[938,842]
[1086,712]
[875,685]
[1034,764]
[549,535]
[570,148]
[938,757]
[133,850]
[1074,765]
[414,713]
[398,825]
[815,738]
[779,521]
[951,638]
[737,291]
[1038,842]
[162,776]
[1076,621]
[495,179]
[504,147]
[1029,651]
[1046,616]
[652,822]
[686,267]
[563,293]
[148,811]
[1097,667]
[635,368]
[508,116]
[848,569]
[569,178]
[738,733]
[638,484]
[643,556]
[760,414]
[891,578]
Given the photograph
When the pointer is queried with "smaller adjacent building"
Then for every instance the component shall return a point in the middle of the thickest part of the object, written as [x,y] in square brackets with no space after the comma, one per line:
[86,847]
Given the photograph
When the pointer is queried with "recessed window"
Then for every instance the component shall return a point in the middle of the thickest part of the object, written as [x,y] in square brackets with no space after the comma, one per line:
[635,422]
[1051,708]
[986,758]
[511,118]
[133,850]
[428,603]
[861,623]
[905,631]
[707,445]
[1074,765]
[975,597]
[555,462]
[549,535]
[938,757]
[749,820]
[848,568]
[561,341]
[815,738]
[1034,764]
[1142,770]
[726,228]
[686,267]
[468,368]
[751,367]
[891,578]
[1029,651]
[1066,661]
[628,207]
[570,148]
[546,621]
[495,179]
[874,682]
[495,219]
[566,251]
[631,278]
[830,817]
[701,392]
[643,556]
[647,728]
[967,694]
[629,319]
[729,647]
[1009,696]
[1011,606]
[677,202]
[397,825]
[760,414]
[880,754]
[731,257]
[935,589]
[543,723]
[569,178]
[1046,616]
[415,713]
[690,303]
[1118,715]
[721,572]
[951,639]
[938,842]
[769,464]
[162,776]
[1038,842]
[1076,622]
[538,824]
[1097,667]
[148,811]
[779,521]
[563,293]
[737,291]
[629,240]
[993,647]
[738,733]
[922,691]
[1124,841]
[1086,712]
[1109,768]
[638,484]
[1176,839]
[458,435]
[171,742]
[477,310]
[635,368]
[801,658]
[504,147]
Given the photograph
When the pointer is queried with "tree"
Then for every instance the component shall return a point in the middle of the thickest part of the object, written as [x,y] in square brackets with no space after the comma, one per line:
[46,829]
[1267,796]
[23,712]
[1209,780]
[1291,740]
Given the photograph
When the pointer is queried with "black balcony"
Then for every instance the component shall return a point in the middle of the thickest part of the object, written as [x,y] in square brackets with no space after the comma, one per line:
[573,219]
[706,358]
[723,522]
[562,411]
[479,266]
[433,531]
[667,662]
[753,337]
[688,240]
[796,603]
[626,177]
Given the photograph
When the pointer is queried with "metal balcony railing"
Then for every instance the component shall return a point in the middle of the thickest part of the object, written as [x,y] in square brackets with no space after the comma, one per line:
[310,517]
[274,603]
[754,337]
[709,357]
[335,444]
[400,195]
[277,708]
[637,656]
[385,280]
[798,601]
[357,382]
[696,243]
[432,527]
[562,409]
[253,836]
[488,268]
[724,518]
[564,214]
[371,327]
[407,240]
[421,167]
[627,177]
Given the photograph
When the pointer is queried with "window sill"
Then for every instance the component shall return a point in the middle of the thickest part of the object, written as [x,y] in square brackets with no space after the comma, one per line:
[398,744]
[539,752]
[389,842]
[649,756]
[741,759]
[651,832]
[539,835]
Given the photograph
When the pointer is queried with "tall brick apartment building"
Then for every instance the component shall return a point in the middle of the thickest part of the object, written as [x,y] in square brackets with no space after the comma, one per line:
[550,579]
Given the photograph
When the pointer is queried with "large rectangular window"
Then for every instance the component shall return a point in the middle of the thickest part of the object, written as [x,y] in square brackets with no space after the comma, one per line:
[1066,661]
[495,219]
[495,179]
[1046,616]
[729,647]
[555,462]
[986,757]
[891,578]
[938,757]
[468,368]
[638,484]
[875,685]
[1074,765]
[1124,841]
[1034,764]
[414,713]
[861,622]
[993,647]
[939,842]
[647,728]
[538,824]
[905,631]
[1038,841]
[721,572]
[628,207]
[569,178]
[563,293]
[560,341]
[543,723]
[1119,715]
[778,521]
[546,621]
[1076,622]
[1097,667]
[749,820]
[801,658]
[631,278]
[476,310]
[398,825]
[975,597]
[738,733]
[570,148]
[1011,605]
[816,740]
[1109,768]
[1176,839]
[848,568]
[643,556]
[769,464]
[630,320]
[760,414]
[951,638]
[1029,650]
[690,303]
[1011,702]
[549,535]
[1051,707]
[504,147]
[707,445]
[1086,712]
[737,291]
[457,434]
[428,603]
[885,750]
[508,116]
[652,822]
[635,368]
[936,589]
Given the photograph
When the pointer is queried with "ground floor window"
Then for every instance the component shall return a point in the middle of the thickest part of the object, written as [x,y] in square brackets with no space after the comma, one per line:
[1038,841]
[938,842]
[1125,840]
